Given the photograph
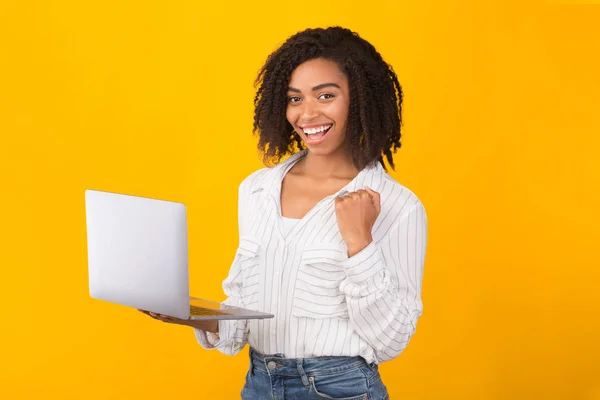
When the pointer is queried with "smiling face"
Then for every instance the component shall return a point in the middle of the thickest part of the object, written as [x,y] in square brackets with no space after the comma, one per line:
[318,102]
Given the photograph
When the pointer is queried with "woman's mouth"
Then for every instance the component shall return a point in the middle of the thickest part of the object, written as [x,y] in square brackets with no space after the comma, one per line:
[317,134]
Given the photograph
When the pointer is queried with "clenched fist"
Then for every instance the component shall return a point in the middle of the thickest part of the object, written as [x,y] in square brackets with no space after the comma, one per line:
[356,213]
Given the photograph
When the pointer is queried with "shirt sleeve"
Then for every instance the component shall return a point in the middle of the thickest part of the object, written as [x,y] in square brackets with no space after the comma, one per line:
[383,285]
[233,334]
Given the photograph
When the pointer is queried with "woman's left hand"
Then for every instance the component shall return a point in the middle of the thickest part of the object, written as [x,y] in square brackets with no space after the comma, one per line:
[356,214]
[206,325]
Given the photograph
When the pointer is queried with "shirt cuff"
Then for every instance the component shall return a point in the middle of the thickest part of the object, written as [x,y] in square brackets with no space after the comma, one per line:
[208,340]
[213,338]
[202,339]
[364,265]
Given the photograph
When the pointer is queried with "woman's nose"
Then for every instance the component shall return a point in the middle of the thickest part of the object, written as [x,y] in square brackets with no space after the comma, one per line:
[310,110]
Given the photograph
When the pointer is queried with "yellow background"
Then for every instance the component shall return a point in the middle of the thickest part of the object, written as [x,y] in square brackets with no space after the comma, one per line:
[155,99]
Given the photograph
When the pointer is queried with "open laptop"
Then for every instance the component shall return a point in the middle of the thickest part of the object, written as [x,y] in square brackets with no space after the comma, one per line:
[138,257]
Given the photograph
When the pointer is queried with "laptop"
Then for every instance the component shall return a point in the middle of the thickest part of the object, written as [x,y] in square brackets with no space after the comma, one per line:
[137,251]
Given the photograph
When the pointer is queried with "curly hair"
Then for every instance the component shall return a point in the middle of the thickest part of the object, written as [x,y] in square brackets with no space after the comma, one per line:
[375,111]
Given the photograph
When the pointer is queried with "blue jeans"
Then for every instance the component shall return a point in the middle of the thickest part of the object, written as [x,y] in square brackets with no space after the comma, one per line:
[342,378]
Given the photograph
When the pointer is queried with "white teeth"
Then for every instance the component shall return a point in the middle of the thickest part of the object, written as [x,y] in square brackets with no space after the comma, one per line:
[312,131]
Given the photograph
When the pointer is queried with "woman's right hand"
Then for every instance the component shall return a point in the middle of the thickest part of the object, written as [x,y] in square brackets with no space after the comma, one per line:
[205,325]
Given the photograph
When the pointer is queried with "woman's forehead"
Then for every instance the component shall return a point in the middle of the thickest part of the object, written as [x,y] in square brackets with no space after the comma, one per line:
[316,72]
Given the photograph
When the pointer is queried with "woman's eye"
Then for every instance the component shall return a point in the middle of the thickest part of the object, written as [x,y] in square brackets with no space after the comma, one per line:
[295,99]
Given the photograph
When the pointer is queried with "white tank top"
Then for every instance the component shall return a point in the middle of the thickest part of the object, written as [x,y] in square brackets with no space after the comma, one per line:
[289,223]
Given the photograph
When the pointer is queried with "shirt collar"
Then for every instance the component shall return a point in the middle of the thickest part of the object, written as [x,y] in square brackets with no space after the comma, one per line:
[371,176]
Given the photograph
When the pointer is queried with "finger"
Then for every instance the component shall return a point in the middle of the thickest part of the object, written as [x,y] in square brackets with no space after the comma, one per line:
[364,193]
[173,320]
[155,315]
[365,196]
[168,318]
[376,198]
[162,317]
[371,192]
[342,198]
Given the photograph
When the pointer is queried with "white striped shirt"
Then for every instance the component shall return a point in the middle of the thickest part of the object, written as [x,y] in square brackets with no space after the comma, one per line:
[325,303]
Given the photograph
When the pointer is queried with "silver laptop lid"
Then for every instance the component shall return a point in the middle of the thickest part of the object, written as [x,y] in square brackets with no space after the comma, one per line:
[138,252]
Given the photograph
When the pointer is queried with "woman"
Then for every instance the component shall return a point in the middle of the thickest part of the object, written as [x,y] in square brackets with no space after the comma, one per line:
[329,242]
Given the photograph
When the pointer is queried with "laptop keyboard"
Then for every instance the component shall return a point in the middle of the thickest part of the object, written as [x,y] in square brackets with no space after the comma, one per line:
[201,311]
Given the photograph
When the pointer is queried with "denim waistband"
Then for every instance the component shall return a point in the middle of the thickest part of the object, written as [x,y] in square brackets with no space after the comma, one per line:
[279,365]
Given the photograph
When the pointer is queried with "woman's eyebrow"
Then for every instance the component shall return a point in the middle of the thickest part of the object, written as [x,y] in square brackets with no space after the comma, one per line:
[318,87]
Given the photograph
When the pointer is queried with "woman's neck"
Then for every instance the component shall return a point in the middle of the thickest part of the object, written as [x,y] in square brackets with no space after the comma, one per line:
[329,166]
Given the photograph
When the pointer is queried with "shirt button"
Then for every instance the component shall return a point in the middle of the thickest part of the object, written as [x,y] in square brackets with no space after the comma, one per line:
[271,365]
